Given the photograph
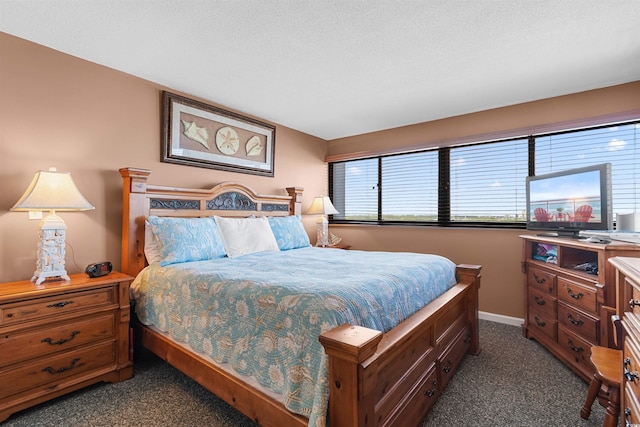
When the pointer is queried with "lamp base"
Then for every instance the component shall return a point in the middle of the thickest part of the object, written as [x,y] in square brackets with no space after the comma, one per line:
[50,256]
[41,276]
[322,232]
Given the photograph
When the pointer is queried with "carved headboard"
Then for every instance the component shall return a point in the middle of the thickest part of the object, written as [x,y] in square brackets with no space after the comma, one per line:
[139,200]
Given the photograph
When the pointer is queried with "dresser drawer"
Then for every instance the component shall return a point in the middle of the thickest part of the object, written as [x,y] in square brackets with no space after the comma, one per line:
[542,303]
[46,307]
[632,364]
[57,337]
[541,280]
[577,294]
[544,324]
[631,410]
[449,360]
[579,322]
[575,347]
[51,369]
[416,407]
[632,309]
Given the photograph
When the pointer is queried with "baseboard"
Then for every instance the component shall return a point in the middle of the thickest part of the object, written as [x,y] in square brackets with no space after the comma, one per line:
[499,318]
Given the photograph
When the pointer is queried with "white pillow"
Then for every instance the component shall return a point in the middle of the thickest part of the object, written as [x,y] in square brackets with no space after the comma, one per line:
[152,249]
[243,236]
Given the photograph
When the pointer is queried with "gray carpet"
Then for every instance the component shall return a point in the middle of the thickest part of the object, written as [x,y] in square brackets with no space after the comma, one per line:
[514,382]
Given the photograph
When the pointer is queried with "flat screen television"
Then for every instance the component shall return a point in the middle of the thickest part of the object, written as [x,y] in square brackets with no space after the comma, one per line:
[567,202]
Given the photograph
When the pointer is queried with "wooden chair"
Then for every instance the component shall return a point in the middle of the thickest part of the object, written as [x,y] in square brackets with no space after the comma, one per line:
[606,381]
[583,213]
[542,215]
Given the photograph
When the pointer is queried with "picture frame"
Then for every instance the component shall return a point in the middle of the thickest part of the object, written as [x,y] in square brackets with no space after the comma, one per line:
[198,134]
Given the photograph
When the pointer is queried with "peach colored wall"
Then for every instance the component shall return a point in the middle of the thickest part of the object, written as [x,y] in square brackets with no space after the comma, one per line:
[498,251]
[58,110]
[560,113]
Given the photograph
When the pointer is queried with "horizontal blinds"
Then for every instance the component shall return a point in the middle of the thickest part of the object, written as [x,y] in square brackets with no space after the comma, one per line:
[481,184]
[618,145]
[355,190]
[410,187]
[487,182]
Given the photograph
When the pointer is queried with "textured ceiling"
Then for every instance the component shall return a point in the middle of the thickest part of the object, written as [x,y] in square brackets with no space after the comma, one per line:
[339,68]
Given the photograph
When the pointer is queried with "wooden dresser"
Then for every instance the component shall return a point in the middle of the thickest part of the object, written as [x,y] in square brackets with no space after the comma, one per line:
[570,296]
[61,336]
[628,308]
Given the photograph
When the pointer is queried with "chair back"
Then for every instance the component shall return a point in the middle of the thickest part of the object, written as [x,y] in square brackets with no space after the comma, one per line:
[583,213]
[617,332]
[541,215]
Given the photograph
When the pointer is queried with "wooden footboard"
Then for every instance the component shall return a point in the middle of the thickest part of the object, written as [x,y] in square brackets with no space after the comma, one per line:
[376,379]
[393,379]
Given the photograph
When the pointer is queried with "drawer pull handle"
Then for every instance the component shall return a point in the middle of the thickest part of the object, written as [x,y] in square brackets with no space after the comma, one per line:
[633,303]
[447,368]
[431,392]
[627,413]
[64,368]
[630,376]
[574,321]
[60,304]
[574,348]
[539,300]
[538,279]
[467,339]
[539,323]
[62,340]
[572,295]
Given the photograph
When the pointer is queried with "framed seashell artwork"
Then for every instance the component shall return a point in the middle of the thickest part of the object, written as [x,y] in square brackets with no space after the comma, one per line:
[198,134]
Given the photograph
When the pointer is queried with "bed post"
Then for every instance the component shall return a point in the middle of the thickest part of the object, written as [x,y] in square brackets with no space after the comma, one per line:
[134,211]
[347,347]
[295,207]
[468,273]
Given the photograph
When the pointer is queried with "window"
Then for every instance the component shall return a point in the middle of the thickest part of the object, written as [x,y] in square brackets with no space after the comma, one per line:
[481,184]
[487,182]
[409,187]
[618,145]
[355,190]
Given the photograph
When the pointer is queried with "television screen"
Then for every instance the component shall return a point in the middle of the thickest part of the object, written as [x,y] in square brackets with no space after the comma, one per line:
[567,202]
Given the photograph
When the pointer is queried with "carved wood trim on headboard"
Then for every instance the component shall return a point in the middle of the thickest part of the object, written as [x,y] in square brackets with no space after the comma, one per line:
[139,200]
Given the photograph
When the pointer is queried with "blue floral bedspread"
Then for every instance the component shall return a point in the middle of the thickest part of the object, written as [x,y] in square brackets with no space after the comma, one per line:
[262,313]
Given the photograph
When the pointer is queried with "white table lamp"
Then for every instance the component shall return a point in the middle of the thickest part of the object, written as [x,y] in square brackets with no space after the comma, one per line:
[322,205]
[51,191]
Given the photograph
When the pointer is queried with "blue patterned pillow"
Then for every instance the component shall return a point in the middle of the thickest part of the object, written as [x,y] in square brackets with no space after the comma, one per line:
[289,232]
[186,239]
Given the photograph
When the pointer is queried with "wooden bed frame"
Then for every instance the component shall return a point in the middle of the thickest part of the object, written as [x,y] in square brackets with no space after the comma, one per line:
[376,379]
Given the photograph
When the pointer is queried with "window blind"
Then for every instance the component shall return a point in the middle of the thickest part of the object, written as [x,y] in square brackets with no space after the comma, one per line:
[618,145]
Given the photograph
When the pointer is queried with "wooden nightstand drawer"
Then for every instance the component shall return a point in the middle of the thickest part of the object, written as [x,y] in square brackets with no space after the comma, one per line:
[40,342]
[577,294]
[60,336]
[581,323]
[51,369]
[58,305]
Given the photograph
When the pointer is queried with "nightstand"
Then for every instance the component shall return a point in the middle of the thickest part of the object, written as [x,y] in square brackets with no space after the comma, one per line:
[61,336]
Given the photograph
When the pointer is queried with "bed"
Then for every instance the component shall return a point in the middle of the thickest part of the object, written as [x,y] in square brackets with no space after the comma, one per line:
[364,370]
